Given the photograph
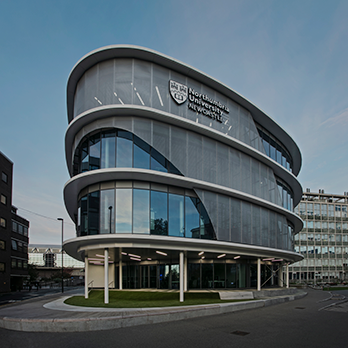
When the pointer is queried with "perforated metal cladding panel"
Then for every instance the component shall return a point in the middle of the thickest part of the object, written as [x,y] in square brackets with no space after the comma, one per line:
[160,91]
[161,138]
[246,222]
[265,227]
[209,160]
[142,83]
[245,174]
[255,175]
[91,87]
[195,156]
[105,83]
[224,218]
[179,150]
[124,81]
[79,98]
[236,220]
[242,222]
[222,164]
[142,128]
[255,225]
[272,230]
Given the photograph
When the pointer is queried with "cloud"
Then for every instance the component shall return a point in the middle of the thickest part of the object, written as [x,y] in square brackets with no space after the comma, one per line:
[339,120]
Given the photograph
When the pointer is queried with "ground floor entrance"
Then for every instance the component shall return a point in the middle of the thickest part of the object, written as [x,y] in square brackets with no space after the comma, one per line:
[208,275]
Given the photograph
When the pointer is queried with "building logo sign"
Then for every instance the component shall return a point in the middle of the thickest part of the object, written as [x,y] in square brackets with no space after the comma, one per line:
[198,102]
[178,91]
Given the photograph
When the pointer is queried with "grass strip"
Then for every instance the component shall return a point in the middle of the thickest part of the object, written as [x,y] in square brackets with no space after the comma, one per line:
[145,299]
[335,288]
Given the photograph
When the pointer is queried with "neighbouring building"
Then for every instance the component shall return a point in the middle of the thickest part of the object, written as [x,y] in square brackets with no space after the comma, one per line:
[177,181]
[47,260]
[13,234]
[323,240]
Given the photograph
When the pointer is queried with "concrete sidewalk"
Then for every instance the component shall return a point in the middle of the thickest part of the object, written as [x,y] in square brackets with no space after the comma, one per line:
[51,314]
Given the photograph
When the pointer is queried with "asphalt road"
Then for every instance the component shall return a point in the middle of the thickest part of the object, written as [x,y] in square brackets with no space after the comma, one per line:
[299,323]
[19,296]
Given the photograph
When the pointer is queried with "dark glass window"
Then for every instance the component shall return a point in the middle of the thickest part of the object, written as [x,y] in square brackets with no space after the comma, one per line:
[84,157]
[141,154]
[159,219]
[84,217]
[141,219]
[192,218]
[2,245]
[143,211]
[266,146]
[94,152]
[207,276]
[93,212]
[3,199]
[4,177]
[118,148]
[206,228]
[194,276]
[13,263]
[2,267]
[158,162]
[219,276]
[124,211]
[14,245]
[124,150]
[107,202]
[273,150]
[3,222]
[108,154]
[231,276]
[176,215]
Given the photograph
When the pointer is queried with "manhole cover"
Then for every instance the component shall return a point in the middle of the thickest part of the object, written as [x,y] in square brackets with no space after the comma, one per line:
[299,307]
[240,333]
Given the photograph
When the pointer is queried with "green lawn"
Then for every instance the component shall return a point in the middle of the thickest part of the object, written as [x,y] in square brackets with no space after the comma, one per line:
[334,288]
[142,299]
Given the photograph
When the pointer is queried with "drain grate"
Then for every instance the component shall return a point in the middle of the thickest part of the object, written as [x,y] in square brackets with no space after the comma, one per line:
[240,333]
[300,308]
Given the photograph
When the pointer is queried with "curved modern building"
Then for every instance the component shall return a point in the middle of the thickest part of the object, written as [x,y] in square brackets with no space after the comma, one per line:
[176,180]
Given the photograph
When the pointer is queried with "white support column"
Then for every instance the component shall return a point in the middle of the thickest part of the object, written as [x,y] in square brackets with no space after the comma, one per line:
[106,275]
[86,276]
[120,270]
[120,275]
[280,276]
[258,274]
[181,270]
[287,275]
[185,272]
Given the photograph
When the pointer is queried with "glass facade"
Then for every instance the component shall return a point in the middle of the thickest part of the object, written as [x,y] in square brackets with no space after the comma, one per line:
[167,149]
[143,210]
[120,149]
[323,240]
[275,149]
[201,274]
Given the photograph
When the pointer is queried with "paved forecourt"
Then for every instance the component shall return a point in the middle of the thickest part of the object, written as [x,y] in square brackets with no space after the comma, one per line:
[51,314]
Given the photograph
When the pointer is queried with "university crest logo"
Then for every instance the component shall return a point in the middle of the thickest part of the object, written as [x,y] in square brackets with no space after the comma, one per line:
[178,91]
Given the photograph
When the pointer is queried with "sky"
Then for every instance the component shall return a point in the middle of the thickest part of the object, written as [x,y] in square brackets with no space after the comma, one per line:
[289,58]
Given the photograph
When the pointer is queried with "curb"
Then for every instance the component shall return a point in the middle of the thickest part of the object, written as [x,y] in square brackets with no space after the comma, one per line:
[127,319]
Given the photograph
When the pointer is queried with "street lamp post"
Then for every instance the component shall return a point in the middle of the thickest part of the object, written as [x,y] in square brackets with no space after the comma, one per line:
[62,220]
